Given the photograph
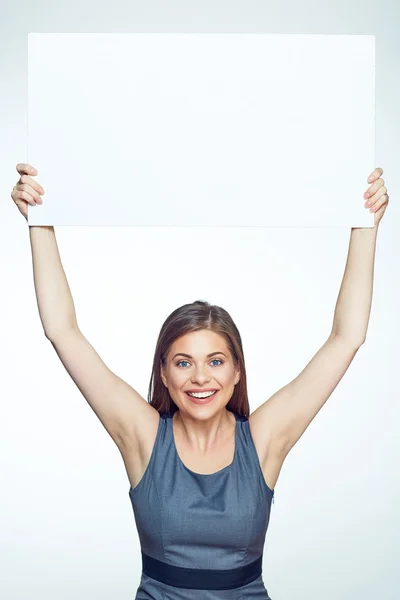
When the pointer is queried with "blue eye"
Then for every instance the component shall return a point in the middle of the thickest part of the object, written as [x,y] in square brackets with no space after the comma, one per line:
[218,359]
[185,361]
[181,361]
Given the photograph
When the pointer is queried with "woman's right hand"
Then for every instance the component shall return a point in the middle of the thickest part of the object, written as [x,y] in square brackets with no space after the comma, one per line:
[26,190]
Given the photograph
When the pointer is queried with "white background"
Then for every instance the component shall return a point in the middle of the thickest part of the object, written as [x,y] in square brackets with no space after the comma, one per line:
[66,522]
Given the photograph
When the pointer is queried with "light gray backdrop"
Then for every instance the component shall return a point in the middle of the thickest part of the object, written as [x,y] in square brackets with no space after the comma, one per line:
[66,523]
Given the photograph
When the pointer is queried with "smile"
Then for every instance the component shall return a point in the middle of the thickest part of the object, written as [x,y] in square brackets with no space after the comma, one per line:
[201,399]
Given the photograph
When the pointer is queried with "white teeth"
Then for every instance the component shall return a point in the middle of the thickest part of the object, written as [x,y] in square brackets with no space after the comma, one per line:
[201,394]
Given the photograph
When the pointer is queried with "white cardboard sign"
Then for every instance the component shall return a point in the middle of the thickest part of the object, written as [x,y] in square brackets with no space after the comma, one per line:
[188,129]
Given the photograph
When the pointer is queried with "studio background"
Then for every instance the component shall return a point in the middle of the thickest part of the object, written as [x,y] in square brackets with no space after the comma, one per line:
[65,515]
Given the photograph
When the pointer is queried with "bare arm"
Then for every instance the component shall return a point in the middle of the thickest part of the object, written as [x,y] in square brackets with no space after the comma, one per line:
[126,416]
[124,413]
[54,299]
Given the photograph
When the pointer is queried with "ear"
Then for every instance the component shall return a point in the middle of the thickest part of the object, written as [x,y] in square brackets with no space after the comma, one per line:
[237,377]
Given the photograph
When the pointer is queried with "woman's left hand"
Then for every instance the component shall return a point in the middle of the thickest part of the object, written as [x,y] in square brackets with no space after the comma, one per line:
[378,198]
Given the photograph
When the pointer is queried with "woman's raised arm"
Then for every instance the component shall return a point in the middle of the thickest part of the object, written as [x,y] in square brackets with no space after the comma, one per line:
[124,413]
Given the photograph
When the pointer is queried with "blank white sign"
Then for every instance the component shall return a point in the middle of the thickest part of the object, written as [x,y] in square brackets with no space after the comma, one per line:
[185,129]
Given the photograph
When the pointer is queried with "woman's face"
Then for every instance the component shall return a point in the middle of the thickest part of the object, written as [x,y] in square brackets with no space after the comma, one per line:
[189,367]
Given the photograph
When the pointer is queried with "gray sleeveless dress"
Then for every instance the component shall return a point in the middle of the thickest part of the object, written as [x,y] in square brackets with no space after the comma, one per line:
[193,527]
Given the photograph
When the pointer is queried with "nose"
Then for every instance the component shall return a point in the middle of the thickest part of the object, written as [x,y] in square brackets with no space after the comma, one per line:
[200,377]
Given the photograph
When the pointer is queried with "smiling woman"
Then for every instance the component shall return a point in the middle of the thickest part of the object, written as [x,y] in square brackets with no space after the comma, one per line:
[201,473]
[203,526]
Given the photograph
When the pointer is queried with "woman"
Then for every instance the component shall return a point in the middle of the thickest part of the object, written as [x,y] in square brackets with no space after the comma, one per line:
[202,470]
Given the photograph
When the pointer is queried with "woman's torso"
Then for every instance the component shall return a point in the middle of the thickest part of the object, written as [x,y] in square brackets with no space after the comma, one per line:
[136,462]
[213,518]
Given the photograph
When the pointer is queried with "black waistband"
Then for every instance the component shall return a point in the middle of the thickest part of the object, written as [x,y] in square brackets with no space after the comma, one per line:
[201,579]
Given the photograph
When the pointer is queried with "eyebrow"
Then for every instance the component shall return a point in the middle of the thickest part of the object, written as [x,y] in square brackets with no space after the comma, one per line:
[189,356]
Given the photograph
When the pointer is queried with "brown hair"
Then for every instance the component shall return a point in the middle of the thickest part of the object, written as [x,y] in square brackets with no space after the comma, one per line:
[192,317]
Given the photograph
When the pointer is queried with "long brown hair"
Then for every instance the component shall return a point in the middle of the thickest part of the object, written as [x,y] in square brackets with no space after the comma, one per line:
[185,319]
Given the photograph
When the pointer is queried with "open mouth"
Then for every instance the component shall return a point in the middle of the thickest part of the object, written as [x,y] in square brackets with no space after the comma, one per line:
[202,400]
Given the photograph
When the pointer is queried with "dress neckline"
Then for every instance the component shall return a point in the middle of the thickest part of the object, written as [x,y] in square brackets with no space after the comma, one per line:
[206,474]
